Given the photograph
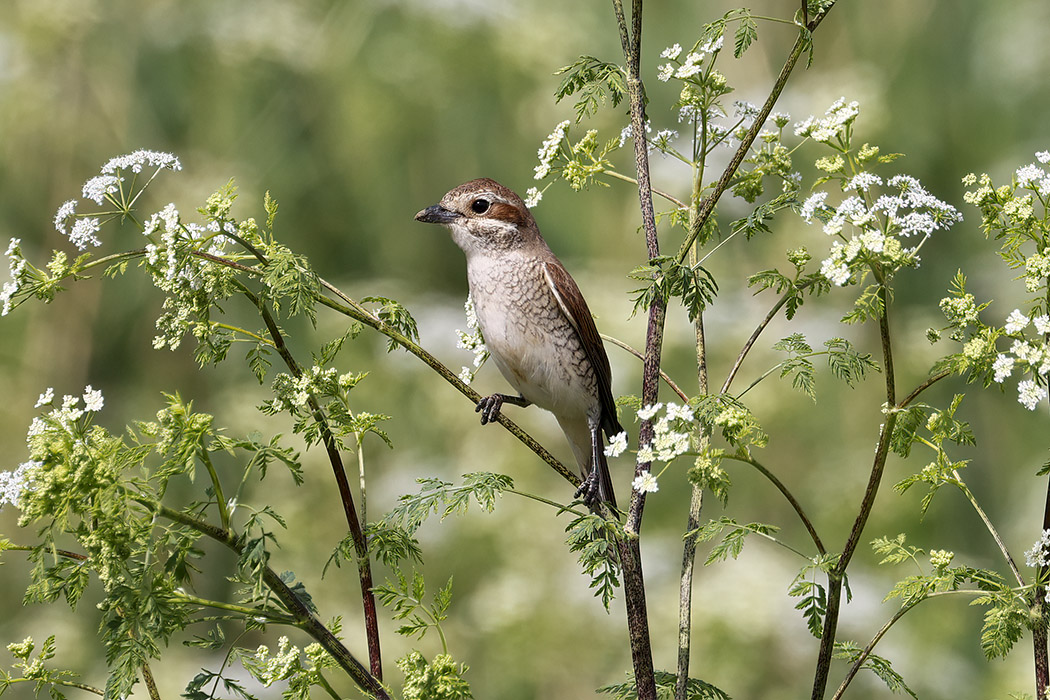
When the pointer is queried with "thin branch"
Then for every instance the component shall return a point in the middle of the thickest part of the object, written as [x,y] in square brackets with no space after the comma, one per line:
[663,375]
[305,620]
[757,332]
[788,495]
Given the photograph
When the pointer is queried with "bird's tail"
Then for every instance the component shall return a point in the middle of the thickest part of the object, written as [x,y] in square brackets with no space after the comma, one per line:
[605,484]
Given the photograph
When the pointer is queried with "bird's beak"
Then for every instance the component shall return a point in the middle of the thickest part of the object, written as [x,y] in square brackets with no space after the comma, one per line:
[436,214]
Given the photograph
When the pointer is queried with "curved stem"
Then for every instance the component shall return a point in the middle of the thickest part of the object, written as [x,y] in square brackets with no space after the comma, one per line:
[663,375]
[304,619]
[670,198]
[836,575]
[357,533]
[788,495]
[220,499]
[241,610]
[991,528]
[757,332]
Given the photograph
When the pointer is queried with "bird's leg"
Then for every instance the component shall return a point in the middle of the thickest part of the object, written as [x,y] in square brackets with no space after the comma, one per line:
[489,406]
[590,487]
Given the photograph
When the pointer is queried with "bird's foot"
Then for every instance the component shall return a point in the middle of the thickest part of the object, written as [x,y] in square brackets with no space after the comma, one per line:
[489,408]
[588,490]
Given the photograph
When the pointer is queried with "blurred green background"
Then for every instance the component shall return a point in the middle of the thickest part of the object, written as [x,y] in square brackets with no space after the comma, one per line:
[354,115]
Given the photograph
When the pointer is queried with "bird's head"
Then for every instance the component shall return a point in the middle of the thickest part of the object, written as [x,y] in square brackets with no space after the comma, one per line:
[484,217]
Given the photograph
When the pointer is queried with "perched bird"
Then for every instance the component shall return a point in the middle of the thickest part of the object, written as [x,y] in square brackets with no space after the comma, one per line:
[535,323]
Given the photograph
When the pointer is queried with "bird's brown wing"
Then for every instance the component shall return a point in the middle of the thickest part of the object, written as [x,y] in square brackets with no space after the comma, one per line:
[575,309]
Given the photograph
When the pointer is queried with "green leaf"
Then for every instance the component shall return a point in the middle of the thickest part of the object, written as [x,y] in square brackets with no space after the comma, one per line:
[878,665]
[597,83]
[746,33]
[396,316]
[695,689]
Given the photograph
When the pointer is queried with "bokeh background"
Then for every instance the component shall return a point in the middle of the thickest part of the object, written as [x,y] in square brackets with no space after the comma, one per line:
[356,114]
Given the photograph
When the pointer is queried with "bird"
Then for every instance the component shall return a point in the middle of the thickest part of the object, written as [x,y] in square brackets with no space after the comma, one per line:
[535,324]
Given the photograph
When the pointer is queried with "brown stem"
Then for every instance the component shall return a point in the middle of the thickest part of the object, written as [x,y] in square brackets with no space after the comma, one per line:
[151,684]
[1039,612]
[357,533]
[305,620]
[630,551]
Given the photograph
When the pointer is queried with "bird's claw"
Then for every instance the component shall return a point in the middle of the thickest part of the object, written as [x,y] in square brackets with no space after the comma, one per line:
[489,408]
[588,490]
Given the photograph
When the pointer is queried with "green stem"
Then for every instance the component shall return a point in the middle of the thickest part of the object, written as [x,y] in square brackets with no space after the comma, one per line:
[245,612]
[707,206]
[836,575]
[65,684]
[991,528]
[788,495]
[220,499]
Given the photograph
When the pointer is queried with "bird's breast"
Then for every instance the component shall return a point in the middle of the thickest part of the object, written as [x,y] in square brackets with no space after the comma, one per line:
[532,343]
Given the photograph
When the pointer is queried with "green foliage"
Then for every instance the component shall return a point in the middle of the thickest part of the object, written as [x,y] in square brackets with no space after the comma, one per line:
[878,665]
[33,669]
[593,539]
[733,535]
[407,601]
[397,317]
[666,278]
[437,496]
[597,83]
[695,689]
[441,679]
[813,596]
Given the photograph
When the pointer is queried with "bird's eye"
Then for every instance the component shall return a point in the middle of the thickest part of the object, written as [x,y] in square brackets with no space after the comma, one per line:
[479,206]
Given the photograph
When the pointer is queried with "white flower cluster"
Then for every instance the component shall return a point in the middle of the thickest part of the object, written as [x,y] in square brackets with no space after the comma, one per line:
[1030,356]
[549,148]
[178,273]
[1037,556]
[84,227]
[617,445]
[135,161]
[292,392]
[533,195]
[16,267]
[471,340]
[628,132]
[670,439]
[913,211]
[14,483]
[277,667]
[837,118]
[691,64]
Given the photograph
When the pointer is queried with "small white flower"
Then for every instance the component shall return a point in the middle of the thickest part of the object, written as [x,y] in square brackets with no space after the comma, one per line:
[135,161]
[645,483]
[549,148]
[617,444]
[1036,556]
[646,455]
[1029,174]
[1003,367]
[1042,324]
[1029,394]
[862,182]
[13,484]
[1043,156]
[64,214]
[672,52]
[1015,322]
[97,188]
[648,412]
[814,203]
[93,400]
[680,412]
[533,195]
[83,233]
[665,72]
[46,398]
